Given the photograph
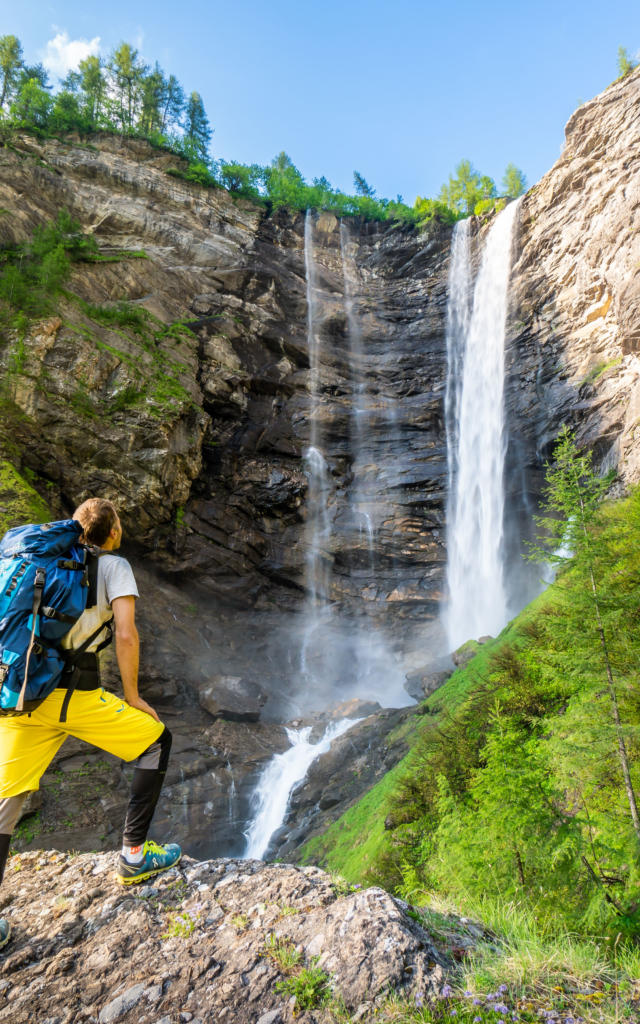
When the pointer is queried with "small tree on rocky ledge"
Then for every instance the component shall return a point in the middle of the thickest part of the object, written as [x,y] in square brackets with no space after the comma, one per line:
[592,627]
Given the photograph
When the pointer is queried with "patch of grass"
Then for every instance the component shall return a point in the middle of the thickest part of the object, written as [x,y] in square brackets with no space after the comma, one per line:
[310,987]
[240,922]
[282,953]
[599,369]
[181,926]
[26,831]
[120,314]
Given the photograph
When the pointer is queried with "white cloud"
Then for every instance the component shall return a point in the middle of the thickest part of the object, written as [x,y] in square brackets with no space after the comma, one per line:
[62,54]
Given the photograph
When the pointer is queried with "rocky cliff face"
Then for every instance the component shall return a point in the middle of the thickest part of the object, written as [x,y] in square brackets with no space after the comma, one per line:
[200,434]
[576,296]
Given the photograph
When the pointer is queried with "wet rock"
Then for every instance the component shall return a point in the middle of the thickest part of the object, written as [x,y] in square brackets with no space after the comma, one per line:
[232,698]
[422,684]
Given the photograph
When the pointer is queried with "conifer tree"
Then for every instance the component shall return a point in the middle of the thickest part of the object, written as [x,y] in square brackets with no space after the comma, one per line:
[197,132]
[574,538]
[10,65]
[127,72]
[93,84]
[514,182]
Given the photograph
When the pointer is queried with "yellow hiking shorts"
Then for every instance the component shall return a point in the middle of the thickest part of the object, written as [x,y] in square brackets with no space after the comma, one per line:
[28,743]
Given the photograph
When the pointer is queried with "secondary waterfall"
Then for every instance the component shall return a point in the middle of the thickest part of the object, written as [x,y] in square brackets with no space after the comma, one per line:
[318,566]
[340,657]
[475,433]
[362,501]
[277,782]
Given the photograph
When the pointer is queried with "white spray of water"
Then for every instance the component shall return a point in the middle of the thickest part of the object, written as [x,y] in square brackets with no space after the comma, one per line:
[362,503]
[277,782]
[458,316]
[477,598]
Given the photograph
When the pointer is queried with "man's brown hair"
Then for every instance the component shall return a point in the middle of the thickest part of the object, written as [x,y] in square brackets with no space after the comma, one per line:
[97,517]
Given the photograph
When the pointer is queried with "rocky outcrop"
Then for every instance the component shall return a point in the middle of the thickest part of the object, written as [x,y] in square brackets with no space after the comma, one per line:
[211,939]
[575,340]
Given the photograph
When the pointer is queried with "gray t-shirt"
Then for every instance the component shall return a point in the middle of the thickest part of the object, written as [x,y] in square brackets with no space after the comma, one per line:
[115,579]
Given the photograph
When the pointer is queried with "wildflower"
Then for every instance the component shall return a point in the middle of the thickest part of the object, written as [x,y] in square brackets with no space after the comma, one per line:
[500,1008]
[419,999]
[453,1013]
[477,1020]
[446,991]
[467,994]
[502,988]
[491,995]
[477,1002]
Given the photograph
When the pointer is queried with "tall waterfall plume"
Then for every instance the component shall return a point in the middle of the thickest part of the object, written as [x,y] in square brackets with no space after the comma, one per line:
[476,433]
[318,567]
[362,501]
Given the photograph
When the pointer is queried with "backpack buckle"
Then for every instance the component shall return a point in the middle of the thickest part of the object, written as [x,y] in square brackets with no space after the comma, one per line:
[40,578]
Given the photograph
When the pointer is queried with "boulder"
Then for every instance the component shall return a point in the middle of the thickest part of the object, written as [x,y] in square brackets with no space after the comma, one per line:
[232,698]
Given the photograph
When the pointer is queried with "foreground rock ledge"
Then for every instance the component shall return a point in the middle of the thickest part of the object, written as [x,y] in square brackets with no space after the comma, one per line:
[192,946]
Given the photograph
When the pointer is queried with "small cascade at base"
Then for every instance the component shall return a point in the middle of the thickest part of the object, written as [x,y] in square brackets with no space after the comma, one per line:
[283,773]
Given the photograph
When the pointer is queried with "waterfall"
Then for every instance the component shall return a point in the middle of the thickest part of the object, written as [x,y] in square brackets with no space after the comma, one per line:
[318,527]
[362,503]
[278,780]
[476,434]
[458,314]
[340,657]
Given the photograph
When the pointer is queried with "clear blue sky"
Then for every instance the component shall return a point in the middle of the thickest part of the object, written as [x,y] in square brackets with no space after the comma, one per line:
[400,91]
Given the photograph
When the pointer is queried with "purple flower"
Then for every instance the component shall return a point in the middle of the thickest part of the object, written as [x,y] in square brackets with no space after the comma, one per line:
[491,995]
[467,994]
[446,991]
[501,1008]
[453,1013]
[502,988]
[419,999]
[477,1002]
[477,1020]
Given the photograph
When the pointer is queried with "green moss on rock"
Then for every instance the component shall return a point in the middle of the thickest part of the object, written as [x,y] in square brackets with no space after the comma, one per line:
[19,502]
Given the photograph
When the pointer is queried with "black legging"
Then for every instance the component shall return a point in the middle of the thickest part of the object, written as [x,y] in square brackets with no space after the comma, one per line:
[145,789]
[147,781]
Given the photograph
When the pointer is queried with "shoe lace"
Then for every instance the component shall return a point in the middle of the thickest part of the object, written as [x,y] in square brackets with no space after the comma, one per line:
[153,847]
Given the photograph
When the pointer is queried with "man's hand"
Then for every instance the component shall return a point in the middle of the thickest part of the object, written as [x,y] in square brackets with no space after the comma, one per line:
[142,705]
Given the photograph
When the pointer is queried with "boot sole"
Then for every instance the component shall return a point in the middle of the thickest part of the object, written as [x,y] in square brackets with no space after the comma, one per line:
[134,879]
[4,941]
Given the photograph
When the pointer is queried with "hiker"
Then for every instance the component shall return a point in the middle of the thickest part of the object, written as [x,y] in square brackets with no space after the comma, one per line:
[80,707]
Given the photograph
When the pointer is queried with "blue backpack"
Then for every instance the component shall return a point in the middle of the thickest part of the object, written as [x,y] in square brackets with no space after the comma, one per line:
[46,576]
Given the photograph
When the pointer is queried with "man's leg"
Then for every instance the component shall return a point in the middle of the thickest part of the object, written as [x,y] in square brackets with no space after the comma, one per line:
[27,746]
[139,859]
[10,809]
[109,723]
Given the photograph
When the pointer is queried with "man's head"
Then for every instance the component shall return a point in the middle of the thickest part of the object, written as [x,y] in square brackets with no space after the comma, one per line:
[100,523]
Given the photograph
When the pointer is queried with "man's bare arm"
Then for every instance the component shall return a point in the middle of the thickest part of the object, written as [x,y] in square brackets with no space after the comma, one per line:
[128,651]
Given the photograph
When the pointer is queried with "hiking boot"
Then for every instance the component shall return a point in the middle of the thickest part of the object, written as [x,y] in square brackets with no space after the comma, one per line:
[155,859]
[5,931]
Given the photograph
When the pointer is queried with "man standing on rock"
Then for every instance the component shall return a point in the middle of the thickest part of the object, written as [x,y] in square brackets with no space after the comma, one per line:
[129,729]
